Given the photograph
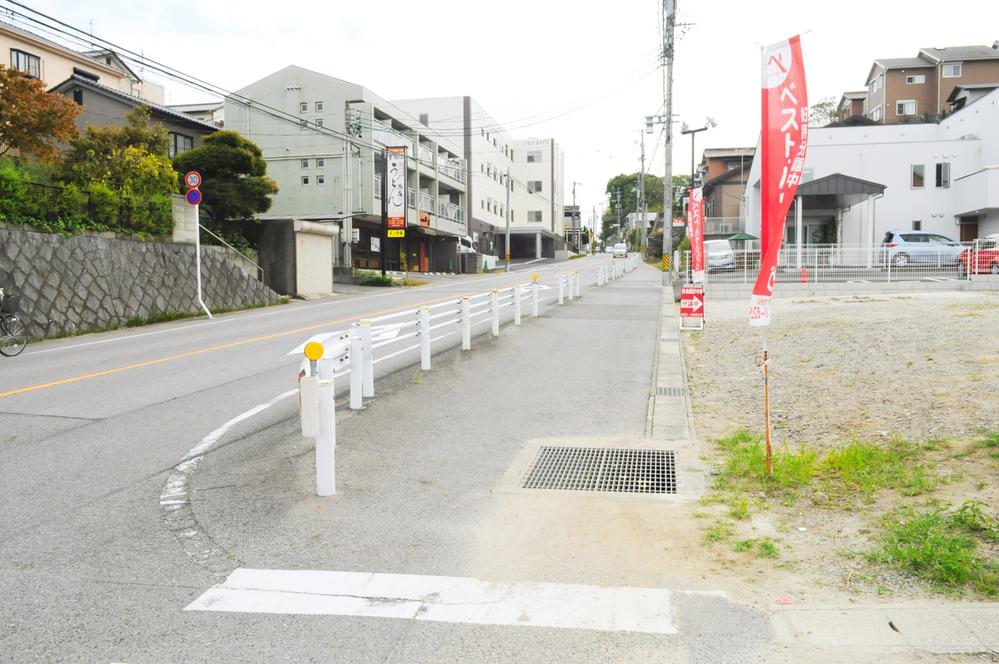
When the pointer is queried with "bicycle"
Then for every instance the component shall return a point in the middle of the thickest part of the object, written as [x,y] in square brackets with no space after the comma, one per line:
[13,333]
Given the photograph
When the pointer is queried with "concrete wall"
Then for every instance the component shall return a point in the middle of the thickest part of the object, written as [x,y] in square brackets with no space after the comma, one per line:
[84,283]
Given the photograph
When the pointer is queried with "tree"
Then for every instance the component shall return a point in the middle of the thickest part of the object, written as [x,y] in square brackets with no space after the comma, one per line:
[627,185]
[33,122]
[235,184]
[130,160]
[823,112]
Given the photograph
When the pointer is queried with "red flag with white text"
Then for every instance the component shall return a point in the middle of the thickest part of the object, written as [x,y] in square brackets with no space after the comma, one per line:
[783,144]
[695,231]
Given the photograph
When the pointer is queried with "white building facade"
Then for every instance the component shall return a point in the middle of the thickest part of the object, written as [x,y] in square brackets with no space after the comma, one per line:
[536,178]
[323,139]
[861,181]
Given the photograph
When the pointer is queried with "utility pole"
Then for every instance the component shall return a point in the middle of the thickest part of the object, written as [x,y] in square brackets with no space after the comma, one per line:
[593,227]
[507,211]
[617,208]
[576,218]
[669,20]
[641,200]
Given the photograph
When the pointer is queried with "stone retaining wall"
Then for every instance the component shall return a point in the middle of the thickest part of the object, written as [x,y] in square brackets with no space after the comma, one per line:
[86,283]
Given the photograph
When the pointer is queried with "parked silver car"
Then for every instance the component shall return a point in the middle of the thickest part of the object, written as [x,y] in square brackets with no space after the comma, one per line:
[719,254]
[920,247]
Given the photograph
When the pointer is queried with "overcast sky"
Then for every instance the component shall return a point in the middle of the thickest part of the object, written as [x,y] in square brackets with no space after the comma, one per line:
[584,75]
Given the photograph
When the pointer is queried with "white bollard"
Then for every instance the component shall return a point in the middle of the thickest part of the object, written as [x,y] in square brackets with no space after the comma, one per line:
[326,441]
[308,400]
[425,338]
[534,298]
[570,282]
[466,324]
[516,305]
[495,311]
[561,290]
[356,373]
[579,288]
[367,359]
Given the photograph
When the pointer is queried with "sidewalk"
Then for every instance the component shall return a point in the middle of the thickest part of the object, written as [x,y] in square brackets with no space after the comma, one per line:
[429,489]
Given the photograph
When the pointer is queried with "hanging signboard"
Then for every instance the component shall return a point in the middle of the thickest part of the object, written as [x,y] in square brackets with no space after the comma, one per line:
[395,168]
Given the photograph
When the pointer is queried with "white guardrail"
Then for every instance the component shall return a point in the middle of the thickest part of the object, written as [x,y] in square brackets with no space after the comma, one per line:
[372,341]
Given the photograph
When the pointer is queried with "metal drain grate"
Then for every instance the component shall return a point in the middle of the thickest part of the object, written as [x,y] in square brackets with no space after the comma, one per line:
[670,392]
[671,339]
[602,469]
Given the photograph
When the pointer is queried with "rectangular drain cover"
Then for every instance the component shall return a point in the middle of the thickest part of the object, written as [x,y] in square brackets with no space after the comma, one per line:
[602,469]
[673,339]
[670,391]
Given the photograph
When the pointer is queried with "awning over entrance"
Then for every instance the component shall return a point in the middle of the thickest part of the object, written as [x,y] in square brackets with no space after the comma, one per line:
[839,191]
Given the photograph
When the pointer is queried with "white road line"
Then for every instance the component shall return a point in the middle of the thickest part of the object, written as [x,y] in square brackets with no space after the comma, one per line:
[175,499]
[441,599]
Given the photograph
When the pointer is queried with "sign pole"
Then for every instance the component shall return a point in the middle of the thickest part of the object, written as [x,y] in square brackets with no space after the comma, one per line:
[384,247]
[766,407]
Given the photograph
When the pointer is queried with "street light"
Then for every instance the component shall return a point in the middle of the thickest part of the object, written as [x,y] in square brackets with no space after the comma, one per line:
[684,129]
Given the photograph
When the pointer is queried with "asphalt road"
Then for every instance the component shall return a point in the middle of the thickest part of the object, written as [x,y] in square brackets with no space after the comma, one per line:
[89,430]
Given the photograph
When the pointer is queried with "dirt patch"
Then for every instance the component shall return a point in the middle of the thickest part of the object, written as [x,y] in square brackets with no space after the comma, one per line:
[919,368]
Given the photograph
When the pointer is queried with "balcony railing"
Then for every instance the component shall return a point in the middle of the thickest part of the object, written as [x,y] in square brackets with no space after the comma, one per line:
[389,137]
[427,203]
[426,155]
[451,168]
[378,187]
[451,211]
[722,225]
[411,195]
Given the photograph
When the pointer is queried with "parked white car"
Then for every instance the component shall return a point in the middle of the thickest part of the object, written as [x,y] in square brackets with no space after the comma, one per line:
[719,254]
[620,250]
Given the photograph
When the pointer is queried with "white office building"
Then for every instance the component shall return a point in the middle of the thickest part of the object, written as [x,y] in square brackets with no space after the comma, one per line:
[536,168]
[861,181]
[323,140]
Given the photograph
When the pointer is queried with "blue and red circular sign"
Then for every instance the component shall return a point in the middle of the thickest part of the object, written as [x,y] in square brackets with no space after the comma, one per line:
[193,196]
[192,179]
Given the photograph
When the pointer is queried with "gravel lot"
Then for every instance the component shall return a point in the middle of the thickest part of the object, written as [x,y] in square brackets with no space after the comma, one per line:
[918,366]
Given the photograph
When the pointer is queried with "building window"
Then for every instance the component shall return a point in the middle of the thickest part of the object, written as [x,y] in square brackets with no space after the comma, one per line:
[179,143]
[320,179]
[26,63]
[533,186]
[876,113]
[534,216]
[319,106]
[305,163]
[875,85]
[905,107]
[918,176]
[917,225]
[943,175]
[482,167]
[915,80]
[482,132]
[483,204]
[952,70]
[320,163]
[511,154]
[319,122]
[78,96]
[535,156]
[303,107]
[305,179]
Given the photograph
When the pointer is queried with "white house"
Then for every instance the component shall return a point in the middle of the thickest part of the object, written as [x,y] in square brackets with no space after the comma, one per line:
[536,168]
[860,181]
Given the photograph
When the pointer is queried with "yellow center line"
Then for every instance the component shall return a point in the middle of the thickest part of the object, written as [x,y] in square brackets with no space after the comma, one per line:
[210,349]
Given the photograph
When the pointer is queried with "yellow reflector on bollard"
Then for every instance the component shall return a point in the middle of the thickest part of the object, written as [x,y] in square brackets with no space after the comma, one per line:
[313,350]
[534,277]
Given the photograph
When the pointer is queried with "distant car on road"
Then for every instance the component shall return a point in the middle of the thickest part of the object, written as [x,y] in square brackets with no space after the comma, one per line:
[906,248]
[720,255]
[608,250]
[620,250]
[982,258]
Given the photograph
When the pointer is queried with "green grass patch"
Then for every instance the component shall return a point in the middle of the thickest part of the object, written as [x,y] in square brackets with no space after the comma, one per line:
[941,547]
[745,466]
[762,547]
[719,531]
[864,469]
[167,316]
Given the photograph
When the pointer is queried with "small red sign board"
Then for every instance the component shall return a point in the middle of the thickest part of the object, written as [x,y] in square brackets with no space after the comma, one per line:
[679,222]
[692,301]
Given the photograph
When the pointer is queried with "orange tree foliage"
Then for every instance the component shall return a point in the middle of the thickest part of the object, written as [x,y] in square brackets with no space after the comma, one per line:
[33,121]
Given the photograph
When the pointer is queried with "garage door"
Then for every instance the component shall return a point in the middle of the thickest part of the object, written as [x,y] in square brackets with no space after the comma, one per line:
[314,263]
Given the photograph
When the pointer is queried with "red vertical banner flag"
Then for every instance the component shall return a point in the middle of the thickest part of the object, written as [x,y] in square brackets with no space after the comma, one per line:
[783,143]
[695,231]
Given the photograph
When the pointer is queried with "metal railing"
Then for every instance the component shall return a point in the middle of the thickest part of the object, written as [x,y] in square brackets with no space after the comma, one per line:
[427,203]
[449,210]
[356,350]
[260,271]
[838,263]
[425,155]
[389,137]
[411,198]
[451,168]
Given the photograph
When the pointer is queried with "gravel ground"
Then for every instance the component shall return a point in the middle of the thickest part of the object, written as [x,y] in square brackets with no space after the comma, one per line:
[921,366]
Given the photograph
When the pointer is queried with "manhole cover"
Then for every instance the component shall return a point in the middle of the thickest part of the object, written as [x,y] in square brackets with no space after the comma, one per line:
[602,469]
[670,391]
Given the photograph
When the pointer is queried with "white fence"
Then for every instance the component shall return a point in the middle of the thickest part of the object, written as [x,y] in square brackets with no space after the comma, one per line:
[415,333]
[846,264]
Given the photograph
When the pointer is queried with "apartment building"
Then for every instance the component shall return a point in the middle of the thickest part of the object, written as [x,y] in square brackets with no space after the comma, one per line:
[906,89]
[52,63]
[851,104]
[536,168]
[861,181]
[324,139]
